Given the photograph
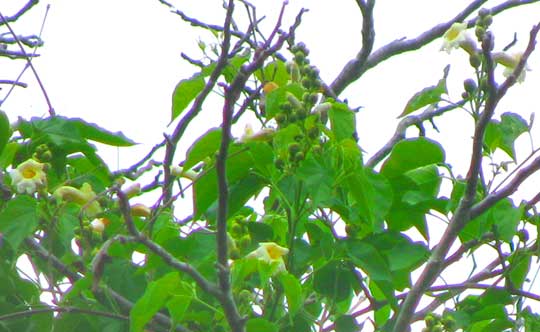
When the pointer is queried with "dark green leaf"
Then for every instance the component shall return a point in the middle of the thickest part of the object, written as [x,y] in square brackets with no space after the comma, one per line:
[185,91]
[95,133]
[333,280]
[19,219]
[427,96]
[347,323]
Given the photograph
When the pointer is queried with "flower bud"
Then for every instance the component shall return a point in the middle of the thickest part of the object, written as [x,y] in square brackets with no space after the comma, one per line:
[140,210]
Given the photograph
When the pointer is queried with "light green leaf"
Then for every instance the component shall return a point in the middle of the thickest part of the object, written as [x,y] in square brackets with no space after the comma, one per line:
[185,92]
[19,219]
[275,71]
[520,263]
[156,295]
[260,325]
[205,146]
[427,96]
[342,121]
[293,292]
[411,154]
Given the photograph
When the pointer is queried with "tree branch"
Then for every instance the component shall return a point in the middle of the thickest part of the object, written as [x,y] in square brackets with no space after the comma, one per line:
[463,212]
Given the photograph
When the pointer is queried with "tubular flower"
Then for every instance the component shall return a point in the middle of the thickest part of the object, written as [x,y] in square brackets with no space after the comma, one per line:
[454,37]
[270,253]
[510,62]
[249,135]
[140,210]
[28,176]
[84,196]
[181,172]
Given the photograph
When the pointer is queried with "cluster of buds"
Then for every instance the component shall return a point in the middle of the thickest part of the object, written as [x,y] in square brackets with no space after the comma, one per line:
[436,323]
[42,153]
[239,233]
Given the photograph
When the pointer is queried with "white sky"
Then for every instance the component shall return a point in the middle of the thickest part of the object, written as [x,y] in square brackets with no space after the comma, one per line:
[116,63]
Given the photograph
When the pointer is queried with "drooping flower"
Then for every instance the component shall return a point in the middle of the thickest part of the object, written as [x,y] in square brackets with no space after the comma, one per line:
[270,253]
[455,37]
[249,135]
[98,225]
[140,210]
[28,176]
[84,196]
[510,62]
[181,172]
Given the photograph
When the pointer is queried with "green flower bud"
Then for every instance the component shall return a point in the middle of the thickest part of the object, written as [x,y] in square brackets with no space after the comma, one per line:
[470,86]
[294,148]
[475,61]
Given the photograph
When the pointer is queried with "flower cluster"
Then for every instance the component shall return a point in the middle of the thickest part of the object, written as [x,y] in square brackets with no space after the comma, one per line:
[85,196]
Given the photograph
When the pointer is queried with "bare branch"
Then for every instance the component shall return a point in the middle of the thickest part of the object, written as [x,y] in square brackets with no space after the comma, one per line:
[19,13]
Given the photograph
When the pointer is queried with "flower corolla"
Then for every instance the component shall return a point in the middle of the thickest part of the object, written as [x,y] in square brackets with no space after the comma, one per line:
[84,196]
[28,176]
[271,253]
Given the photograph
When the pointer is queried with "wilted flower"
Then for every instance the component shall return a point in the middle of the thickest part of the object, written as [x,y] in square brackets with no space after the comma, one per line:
[270,253]
[28,176]
[456,37]
[98,225]
[181,172]
[84,196]
[140,210]
[249,135]
[510,62]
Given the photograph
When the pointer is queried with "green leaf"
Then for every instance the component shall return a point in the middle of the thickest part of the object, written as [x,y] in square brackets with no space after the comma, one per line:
[5,130]
[180,301]
[155,297]
[520,263]
[205,146]
[333,280]
[260,325]
[427,96]
[318,177]
[95,133]
[532,321]
[277,97]
[19,219]
[512,126]
[410,154]
[342,121]
[185,92]
[293,292]
[347,323]
[8,154]
[275,71]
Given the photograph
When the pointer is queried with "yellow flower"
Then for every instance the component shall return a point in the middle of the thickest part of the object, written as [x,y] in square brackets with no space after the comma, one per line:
[455,37]
[28,176]
[98,225]
[270,253]
[510,62]
[84,196]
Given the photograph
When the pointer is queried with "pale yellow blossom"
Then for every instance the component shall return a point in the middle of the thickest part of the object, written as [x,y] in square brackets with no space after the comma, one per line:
[98,225]
[510,62]
[28,176]
[140,210]
[84,196]
[249,135]
[271,253]
[181,172]
[456,36]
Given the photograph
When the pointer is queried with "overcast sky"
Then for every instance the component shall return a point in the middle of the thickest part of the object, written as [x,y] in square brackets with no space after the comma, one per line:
[116,63]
